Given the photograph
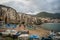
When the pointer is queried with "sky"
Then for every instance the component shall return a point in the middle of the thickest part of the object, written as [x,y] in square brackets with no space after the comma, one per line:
[33,6]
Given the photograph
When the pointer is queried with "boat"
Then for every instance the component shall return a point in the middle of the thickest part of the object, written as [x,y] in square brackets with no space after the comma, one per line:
[13,32]
[6,32]
[24,35]
[34,37]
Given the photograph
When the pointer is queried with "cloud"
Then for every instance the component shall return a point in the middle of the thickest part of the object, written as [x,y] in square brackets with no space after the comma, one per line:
[33,6]
[3,1]
[23,6]
[48,5]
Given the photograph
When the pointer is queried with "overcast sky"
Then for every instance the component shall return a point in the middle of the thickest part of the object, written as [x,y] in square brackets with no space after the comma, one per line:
[33,6]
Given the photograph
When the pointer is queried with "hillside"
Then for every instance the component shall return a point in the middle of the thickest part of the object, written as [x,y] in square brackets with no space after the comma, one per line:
[50,15]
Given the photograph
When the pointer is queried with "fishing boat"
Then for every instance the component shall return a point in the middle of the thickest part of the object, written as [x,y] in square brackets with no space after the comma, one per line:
[6,32]
[24,35]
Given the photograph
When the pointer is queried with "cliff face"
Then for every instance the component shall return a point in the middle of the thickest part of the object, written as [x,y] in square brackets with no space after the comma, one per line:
[8,14]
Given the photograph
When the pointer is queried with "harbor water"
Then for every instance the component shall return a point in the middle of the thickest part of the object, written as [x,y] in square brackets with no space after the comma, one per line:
[51,26]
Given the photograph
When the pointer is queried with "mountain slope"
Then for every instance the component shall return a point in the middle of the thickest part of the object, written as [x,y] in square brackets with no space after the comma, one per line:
[50,15]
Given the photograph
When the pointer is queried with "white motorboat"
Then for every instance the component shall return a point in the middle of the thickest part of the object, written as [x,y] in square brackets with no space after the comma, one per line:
[6,33]
[13,32]
[24,35]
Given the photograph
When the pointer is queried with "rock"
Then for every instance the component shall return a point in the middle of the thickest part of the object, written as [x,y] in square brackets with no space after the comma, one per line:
[8,14]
